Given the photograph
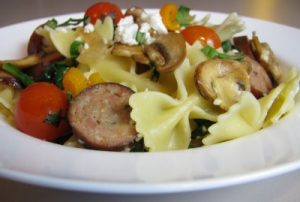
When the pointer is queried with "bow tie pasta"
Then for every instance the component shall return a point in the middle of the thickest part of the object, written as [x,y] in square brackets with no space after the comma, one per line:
[164,121]
[250,114]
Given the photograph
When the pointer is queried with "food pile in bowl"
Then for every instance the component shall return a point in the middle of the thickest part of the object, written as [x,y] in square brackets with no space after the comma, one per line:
[144,81]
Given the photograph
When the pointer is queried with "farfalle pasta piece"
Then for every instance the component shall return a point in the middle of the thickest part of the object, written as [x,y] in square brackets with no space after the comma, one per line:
[186,87]
[162,120]
[285,101]
[194,53]
[117,69]
[62,40]
[241,119]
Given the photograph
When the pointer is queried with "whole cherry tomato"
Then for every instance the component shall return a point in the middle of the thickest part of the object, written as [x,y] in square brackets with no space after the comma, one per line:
[101,9]
[41,111]
[204,34]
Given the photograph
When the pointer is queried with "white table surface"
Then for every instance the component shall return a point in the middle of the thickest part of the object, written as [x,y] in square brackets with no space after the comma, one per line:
[283,188]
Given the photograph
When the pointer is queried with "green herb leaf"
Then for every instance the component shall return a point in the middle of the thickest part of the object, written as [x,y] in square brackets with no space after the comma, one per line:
[74,22]
[183,16]
[55,73]
[13,70]
[52,23]
[69,96]
[75,48]
[70,22]
[140,37]
[212,53]
[202,128]
[199,132]
[54,119]
[226,45]
[86,20]
[139,146]
[154,73]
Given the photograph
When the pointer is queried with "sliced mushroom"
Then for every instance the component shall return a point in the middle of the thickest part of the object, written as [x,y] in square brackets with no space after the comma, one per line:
[264,54]
[134,52]
[157,54]
[222,81]
[136,12]
[25,62]
[167,52]
[9,80]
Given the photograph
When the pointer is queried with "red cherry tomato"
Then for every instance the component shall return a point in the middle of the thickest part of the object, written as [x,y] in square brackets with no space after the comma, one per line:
[35,107]
[102,9]
[204,34]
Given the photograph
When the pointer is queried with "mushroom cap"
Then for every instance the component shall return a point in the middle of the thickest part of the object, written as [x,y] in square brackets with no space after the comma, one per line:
[222,81]
[167,51]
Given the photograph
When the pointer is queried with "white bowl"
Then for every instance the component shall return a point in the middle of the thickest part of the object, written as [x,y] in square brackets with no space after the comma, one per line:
[267,153]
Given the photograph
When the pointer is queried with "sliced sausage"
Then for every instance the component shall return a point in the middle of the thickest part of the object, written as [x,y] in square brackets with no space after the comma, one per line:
[260,82]
[100,117]
[242,44]
[35,44]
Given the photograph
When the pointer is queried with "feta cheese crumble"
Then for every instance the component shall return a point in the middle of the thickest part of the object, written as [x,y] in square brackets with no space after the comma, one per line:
[126,31]
[86,46]
[155,21]
[145,28]
[89,28]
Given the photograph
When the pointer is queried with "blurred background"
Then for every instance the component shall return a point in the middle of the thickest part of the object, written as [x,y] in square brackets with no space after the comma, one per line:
[280,11]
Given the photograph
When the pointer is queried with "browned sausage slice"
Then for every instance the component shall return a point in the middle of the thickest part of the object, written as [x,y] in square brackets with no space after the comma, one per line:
[242,43]
[260,82]
[100,117]
[35,44]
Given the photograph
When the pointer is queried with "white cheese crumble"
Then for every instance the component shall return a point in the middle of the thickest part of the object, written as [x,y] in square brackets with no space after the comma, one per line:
[145,28]
[155,21]
[89,28]
[86,46]
[126,31]
[210,43]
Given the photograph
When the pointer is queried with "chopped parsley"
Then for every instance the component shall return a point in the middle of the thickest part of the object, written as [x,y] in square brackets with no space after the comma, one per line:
[55,73]
[202,128]
[139,146]
[154,73]
[227,46]
[212,53]
[199,132]
[53,23]
[141,37]
[69,96]
[183,16]
[75,48]
[54,119]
